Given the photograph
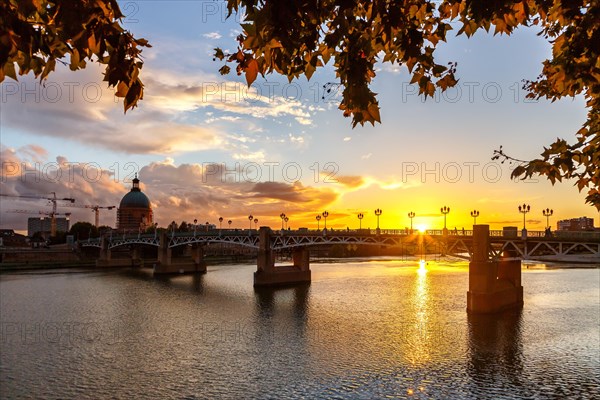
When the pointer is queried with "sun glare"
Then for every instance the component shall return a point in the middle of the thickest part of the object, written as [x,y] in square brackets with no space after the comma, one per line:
[422,228]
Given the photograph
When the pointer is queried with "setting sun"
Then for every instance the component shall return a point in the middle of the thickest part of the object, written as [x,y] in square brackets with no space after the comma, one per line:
[422,228]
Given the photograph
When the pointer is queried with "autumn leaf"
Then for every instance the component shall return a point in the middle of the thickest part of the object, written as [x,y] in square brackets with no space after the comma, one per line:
[251,71]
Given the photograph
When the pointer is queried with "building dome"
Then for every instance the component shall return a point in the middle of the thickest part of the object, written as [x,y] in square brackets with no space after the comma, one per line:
[134,213]
[135,199]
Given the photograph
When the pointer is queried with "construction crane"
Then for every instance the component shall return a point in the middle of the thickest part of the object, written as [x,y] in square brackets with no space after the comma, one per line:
[52,200]
[96,210]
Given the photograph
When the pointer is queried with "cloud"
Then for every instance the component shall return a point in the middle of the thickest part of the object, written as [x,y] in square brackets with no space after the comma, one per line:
[296,139]
[255,156]
[184,94]
[75,106]
[208,191]
[294,193]
[212,35]
[24,175]
[304,121]
[88,112]
[352,181]
[177,192]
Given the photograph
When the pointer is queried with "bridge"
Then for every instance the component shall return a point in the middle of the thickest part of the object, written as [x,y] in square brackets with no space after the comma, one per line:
[536,245]
[561,246]
[494,269]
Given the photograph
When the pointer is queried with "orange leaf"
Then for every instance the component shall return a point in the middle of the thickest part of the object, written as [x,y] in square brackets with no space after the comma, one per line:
[251,71]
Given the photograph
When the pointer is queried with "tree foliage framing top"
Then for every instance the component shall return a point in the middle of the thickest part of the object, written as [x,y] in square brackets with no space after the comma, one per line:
[294,38]
[35,34]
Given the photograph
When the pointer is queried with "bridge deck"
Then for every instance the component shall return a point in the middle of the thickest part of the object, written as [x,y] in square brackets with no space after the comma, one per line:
[536,244]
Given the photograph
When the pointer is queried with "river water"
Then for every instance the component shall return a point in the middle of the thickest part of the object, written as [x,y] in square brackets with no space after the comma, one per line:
[363,329]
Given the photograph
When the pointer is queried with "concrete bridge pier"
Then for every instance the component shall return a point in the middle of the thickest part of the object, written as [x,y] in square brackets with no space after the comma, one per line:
[136,256]
[167,265]
[268,275]
[198,258]
[106,260]
[493,285]
[105,253]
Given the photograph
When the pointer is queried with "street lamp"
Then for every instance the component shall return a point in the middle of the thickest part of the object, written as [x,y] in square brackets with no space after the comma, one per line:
[325,215]
[195,225]
[229,223]
[220,223]
[547,213]
[378,213]
[255,222]
[445,210]
[318,218]
[411,215]
[360,217]
[474,214]
[250,218]
[286,219]
[282,216]
[524,209]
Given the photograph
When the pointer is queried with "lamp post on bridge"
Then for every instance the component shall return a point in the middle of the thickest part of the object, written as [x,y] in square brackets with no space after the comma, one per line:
[547,213]
[282,216]
[220,223]
[255,222]
[318,218]
[229,223]
[445,210]
[250,218]
[360,217]
[524,209]
[378,213]
[474,214]
[155,230]
[325,215]
[411,215]
[286,219]
[195,226]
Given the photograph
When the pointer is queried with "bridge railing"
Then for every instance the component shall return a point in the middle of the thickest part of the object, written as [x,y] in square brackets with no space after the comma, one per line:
[592,236]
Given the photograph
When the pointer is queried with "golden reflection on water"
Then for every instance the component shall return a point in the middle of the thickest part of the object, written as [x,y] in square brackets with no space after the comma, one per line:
[419,338]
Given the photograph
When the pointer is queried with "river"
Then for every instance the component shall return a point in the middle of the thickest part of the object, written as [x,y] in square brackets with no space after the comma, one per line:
[363,329]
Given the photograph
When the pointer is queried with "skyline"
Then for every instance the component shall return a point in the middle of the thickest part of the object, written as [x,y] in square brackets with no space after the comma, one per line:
[192,119]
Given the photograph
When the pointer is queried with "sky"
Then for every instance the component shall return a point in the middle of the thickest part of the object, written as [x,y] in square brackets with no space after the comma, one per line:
[205,146]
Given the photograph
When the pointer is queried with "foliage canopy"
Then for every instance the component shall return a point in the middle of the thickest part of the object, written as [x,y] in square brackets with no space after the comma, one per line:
[294,38]
[35,34]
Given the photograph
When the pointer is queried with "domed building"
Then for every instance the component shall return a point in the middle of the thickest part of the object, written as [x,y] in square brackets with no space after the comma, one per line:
[134,212]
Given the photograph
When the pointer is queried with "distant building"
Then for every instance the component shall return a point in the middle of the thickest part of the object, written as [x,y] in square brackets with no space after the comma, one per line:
[134,212]
[576,224]
[44,224]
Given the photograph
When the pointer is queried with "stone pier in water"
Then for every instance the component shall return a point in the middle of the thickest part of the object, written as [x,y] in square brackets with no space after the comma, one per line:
[267,274]
[493,285]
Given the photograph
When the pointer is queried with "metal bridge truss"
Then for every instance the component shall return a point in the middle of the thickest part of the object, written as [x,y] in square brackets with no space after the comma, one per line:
[459,246]
[240,240]
[286,242]
[527,249]
[176,240]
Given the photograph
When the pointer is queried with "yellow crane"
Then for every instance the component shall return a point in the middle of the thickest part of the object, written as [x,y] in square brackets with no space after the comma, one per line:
[96,209]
